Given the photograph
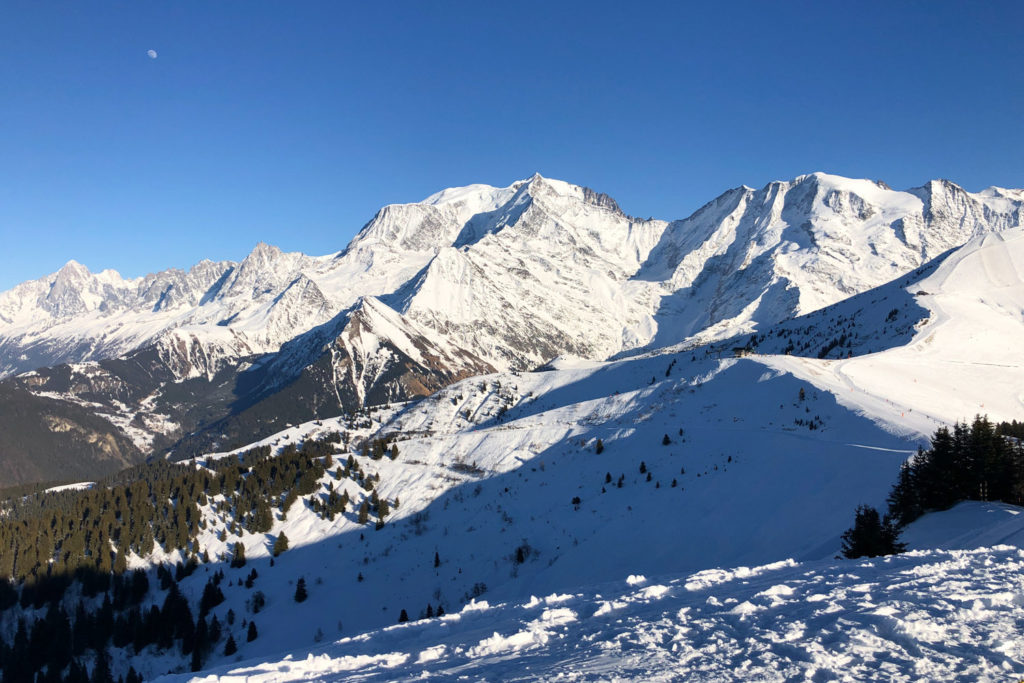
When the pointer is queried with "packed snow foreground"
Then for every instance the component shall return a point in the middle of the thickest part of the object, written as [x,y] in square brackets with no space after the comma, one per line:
[924,615]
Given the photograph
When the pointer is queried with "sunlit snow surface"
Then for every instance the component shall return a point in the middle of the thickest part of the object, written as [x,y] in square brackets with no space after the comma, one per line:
[493,461]
[966,360]
[925,615]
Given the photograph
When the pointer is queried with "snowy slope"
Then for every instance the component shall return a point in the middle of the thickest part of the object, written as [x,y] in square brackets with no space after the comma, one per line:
[492,464]
[926,615]
[501,477]
[965,360]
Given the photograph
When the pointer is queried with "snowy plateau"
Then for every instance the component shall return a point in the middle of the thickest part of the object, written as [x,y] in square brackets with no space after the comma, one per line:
[628,448]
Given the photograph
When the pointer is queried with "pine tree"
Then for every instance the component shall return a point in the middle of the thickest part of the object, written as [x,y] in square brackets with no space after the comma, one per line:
[665,441]
[904,501]
[252,634]
[364,512]
[280,544]
[437,560]
[871,535]
[300,590]
[101,672]
[238,559]
[599,447]
[403,617]
[230,647]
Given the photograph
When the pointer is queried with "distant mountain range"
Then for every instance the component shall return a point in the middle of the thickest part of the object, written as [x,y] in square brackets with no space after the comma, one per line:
[469,281]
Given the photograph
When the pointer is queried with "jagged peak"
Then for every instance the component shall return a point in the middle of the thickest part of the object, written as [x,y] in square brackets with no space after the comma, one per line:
[72,268]
[938,185]
[264,252]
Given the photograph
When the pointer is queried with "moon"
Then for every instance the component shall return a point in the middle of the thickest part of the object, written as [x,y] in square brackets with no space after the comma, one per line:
[151,53]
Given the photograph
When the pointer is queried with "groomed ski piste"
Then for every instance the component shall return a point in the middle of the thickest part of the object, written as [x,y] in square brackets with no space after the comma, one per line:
[767,457]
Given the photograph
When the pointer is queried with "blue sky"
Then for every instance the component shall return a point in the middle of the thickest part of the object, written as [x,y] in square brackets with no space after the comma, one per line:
[293,122]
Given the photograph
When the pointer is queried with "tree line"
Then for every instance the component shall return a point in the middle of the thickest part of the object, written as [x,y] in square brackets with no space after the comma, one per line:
[978,461]
[64,555]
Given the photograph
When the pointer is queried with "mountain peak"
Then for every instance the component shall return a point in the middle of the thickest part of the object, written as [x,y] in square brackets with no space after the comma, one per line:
[73,267]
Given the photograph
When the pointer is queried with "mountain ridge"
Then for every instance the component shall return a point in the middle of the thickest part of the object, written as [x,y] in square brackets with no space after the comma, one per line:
[470,280]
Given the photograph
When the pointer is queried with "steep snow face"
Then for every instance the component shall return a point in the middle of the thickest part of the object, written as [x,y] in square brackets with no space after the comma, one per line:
[754,257]
[521,274]
[964,358]
[372,355]
[549,274]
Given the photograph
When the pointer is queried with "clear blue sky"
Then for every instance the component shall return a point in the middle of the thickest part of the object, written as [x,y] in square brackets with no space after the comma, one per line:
[292,122]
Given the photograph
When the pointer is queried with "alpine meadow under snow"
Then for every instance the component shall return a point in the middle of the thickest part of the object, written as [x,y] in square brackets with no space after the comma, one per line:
[554,400]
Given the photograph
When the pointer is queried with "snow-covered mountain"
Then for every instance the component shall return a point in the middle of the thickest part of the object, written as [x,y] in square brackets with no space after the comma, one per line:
[677,463]
[707,461]
[470,280]
[518,275]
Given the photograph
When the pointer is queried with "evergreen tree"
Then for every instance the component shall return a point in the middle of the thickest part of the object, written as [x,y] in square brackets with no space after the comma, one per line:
[403,617]
[364,512]
[251,635]
[280,544]
[904,502]
[238,558]
[101,672]
[665,441]
[599,447]
[212,596]
[196,662]
[871,535]
[300,590]
[230,647]
[437,560]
